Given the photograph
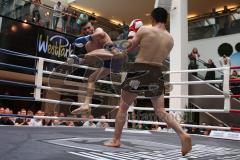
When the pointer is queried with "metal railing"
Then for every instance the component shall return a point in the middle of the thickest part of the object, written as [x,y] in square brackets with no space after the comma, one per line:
[43,16]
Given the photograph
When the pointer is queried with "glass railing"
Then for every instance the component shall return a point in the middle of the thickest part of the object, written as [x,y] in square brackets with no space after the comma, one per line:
[208,26]
[68,21]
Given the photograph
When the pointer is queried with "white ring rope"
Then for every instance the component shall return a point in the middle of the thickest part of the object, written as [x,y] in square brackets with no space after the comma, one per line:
[198,70]
[131,121]
[182,110]
[79,78]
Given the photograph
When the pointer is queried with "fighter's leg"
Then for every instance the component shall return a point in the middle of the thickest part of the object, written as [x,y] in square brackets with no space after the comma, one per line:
[98,74]
[127,99]
[158,104]
[99,54]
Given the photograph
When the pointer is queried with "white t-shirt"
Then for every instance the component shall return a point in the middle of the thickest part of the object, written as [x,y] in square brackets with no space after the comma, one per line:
[89,125]
[221,61]
[57,10]
[35,123]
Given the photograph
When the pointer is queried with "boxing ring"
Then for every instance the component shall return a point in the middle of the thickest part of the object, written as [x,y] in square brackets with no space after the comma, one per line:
[85,143]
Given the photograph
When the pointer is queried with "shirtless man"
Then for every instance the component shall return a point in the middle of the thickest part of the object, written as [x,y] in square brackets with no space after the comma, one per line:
[144,76]
[97,44]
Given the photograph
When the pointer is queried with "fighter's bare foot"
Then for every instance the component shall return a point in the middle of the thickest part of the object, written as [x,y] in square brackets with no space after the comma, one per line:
[186,144]
[112,143]
[82,109]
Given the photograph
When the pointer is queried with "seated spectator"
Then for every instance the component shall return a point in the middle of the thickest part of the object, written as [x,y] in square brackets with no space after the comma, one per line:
[141,126]
[210,75]
[36,122]
[21,121]
[89,123]
[167,129]
[62,122]
[6,120]
[102,124]
[193,57]
[156,128]
[47,122]
[29,113]
[1,111]
[235,87]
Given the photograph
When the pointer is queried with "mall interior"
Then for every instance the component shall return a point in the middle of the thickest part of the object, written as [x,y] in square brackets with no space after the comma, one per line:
[36,37]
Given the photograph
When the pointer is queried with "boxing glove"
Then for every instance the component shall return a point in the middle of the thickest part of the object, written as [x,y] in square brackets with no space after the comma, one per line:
[135,25]
[81,41]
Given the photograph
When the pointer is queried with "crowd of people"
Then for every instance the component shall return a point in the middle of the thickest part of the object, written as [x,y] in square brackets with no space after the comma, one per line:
[86,121]
[224,61]
[57,17]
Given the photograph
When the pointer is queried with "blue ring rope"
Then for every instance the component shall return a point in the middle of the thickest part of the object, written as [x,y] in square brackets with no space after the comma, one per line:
[18,67]
[13,53]
[17,98]
[15,115]
[5,82]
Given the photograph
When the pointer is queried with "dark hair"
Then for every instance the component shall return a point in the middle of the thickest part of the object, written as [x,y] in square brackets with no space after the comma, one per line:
[160,15]
[84,23]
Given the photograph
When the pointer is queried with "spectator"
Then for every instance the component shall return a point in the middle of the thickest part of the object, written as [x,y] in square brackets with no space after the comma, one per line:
[141,126]
[47,122]
[156,128]
[89,123]
[216,26]
[227,19]
[64,20]
[238,10]
[57,9]
[21,121]
[77,123]
[73,20]
[1,110]
[210,75]
[82,18]
[6,120]
[29,113]
[92,18]
[224,62]
[235,87]
[125,29]
[35,11]
[62,122]
[26,10]
[193,57]
[36,122]
[19,6]
[6,7]
[102,124]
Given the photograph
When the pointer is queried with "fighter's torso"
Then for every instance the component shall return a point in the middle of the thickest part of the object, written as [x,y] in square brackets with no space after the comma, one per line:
[155,46]
[98,44]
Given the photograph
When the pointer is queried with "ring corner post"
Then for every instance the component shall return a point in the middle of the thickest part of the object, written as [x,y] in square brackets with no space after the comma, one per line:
[38,78]
[226,89]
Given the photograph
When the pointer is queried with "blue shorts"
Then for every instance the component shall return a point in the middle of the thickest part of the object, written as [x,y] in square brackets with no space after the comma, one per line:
[114,64]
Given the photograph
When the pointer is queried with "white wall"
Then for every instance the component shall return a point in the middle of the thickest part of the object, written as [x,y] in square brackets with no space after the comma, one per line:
[208,48]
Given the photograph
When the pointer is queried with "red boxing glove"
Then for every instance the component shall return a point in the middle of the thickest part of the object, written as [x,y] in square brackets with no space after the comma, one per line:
[135,25]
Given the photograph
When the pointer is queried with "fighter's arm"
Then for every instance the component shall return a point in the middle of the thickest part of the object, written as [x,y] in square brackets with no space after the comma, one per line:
[96,36]
[135,41]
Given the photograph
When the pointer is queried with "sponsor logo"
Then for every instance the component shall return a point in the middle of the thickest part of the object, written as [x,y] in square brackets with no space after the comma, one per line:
[56,45]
